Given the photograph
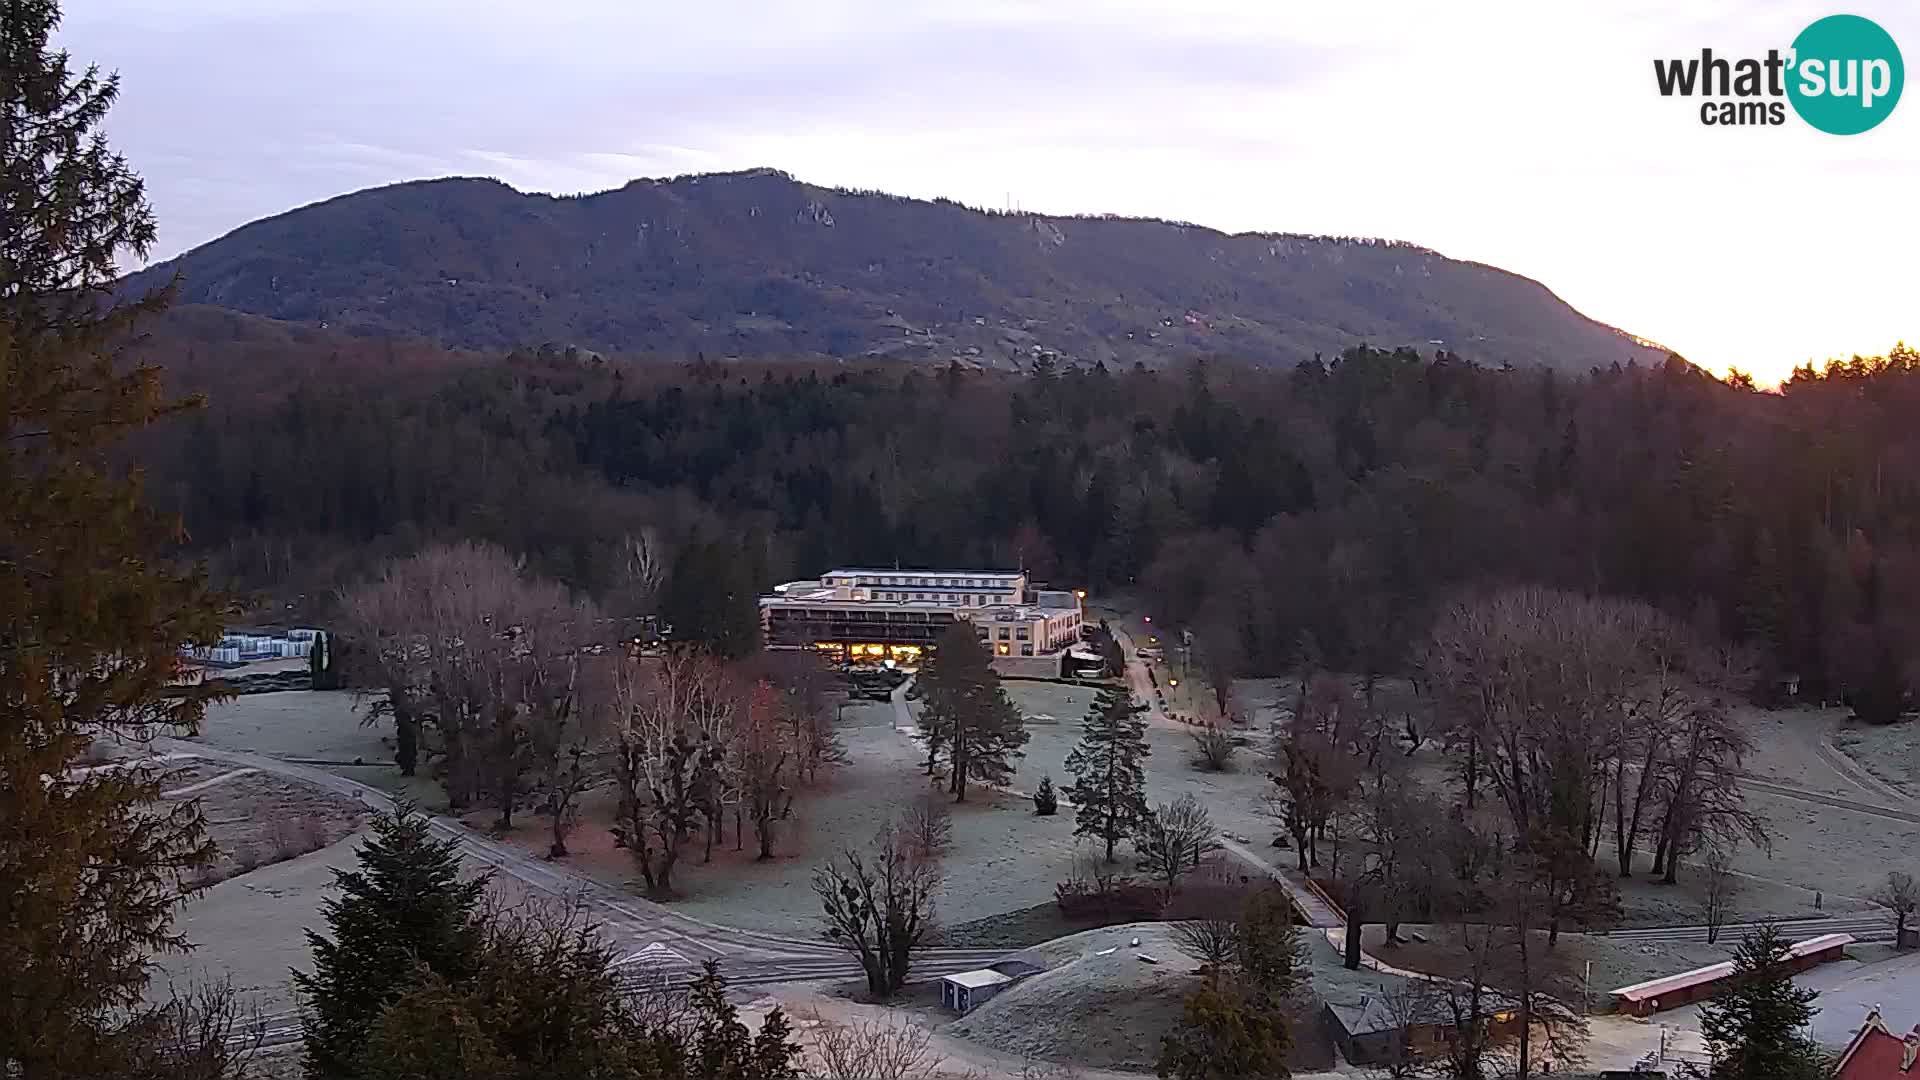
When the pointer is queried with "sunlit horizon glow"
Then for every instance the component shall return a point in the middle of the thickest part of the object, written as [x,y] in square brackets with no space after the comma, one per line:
[1517,135]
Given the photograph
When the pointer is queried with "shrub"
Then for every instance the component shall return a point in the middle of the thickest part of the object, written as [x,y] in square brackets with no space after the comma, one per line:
[1095,890]
[312,831]
[1045,802]
[1213,747]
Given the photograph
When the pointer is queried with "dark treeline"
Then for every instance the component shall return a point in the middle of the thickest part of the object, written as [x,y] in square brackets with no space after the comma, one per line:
[1306,516]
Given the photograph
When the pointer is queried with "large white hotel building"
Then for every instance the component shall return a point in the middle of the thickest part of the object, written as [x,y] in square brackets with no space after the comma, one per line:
[861,614]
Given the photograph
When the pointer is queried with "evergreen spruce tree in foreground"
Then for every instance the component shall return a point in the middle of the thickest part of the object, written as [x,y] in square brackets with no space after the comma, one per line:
[404,917]
[1225,1034]
[1757,1026]
[92,616]
[1108,768]
[964,708]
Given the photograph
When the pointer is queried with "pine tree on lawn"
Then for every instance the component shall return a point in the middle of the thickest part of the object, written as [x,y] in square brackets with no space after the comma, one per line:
[92,612]
[403,910]
[1108,769]
[1757,1026]
[961,698]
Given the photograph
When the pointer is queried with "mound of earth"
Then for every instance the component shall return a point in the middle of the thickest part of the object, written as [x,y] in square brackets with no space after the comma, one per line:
[1100,1011]
[1099,1005]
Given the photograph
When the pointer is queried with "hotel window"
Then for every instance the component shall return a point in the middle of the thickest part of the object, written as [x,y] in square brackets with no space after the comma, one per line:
[1022,633]
[1026,650]
[1003,633]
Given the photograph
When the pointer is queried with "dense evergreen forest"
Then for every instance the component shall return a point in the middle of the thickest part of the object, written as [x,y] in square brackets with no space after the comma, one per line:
[1307,516]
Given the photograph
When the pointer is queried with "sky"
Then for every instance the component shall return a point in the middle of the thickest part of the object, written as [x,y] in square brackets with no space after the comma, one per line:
[1525,135]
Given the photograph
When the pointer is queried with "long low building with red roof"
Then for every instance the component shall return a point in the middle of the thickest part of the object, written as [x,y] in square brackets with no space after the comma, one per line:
[1673,991]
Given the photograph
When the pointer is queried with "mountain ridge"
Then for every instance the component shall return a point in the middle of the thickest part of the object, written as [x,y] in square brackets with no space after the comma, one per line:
[757,264]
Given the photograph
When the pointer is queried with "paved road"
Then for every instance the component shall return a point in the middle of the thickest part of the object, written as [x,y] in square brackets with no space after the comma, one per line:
[1868,927]
[1909,817]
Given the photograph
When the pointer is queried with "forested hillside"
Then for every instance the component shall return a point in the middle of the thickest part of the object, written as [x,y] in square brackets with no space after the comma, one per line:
[1317,513]
[758,265]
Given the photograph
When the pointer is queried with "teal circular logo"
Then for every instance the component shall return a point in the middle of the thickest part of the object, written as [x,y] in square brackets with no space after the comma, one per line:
[1846,74]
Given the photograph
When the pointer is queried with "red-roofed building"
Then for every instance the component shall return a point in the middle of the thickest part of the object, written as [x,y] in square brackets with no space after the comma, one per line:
[1672,991]
[1878,1054]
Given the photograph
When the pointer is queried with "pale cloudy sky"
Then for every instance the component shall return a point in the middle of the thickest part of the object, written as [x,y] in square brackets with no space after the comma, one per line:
[1522,134]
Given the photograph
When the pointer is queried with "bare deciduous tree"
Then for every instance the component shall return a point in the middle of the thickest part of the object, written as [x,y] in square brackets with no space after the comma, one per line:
[672,717]
[761,757]
[1703,799]
[1408,1006]
[1316,750]
[1899,894]
[879,906]
[1173,840]
[1204,921]
[807,703]
[201,1032]
[640,572]
[871,1048]
[927,826]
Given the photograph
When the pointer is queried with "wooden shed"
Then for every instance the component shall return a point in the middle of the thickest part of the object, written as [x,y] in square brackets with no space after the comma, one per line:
[967,989]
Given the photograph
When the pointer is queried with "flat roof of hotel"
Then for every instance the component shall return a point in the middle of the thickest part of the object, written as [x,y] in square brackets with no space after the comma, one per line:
[1007,575]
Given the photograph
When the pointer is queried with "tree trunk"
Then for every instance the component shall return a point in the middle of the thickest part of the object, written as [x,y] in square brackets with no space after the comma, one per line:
[1526,1006]
[1472,767]
[1354,926]
[406,736]
[960,755]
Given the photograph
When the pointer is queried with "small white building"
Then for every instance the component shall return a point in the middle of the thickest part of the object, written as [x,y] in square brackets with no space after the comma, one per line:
[969,988]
